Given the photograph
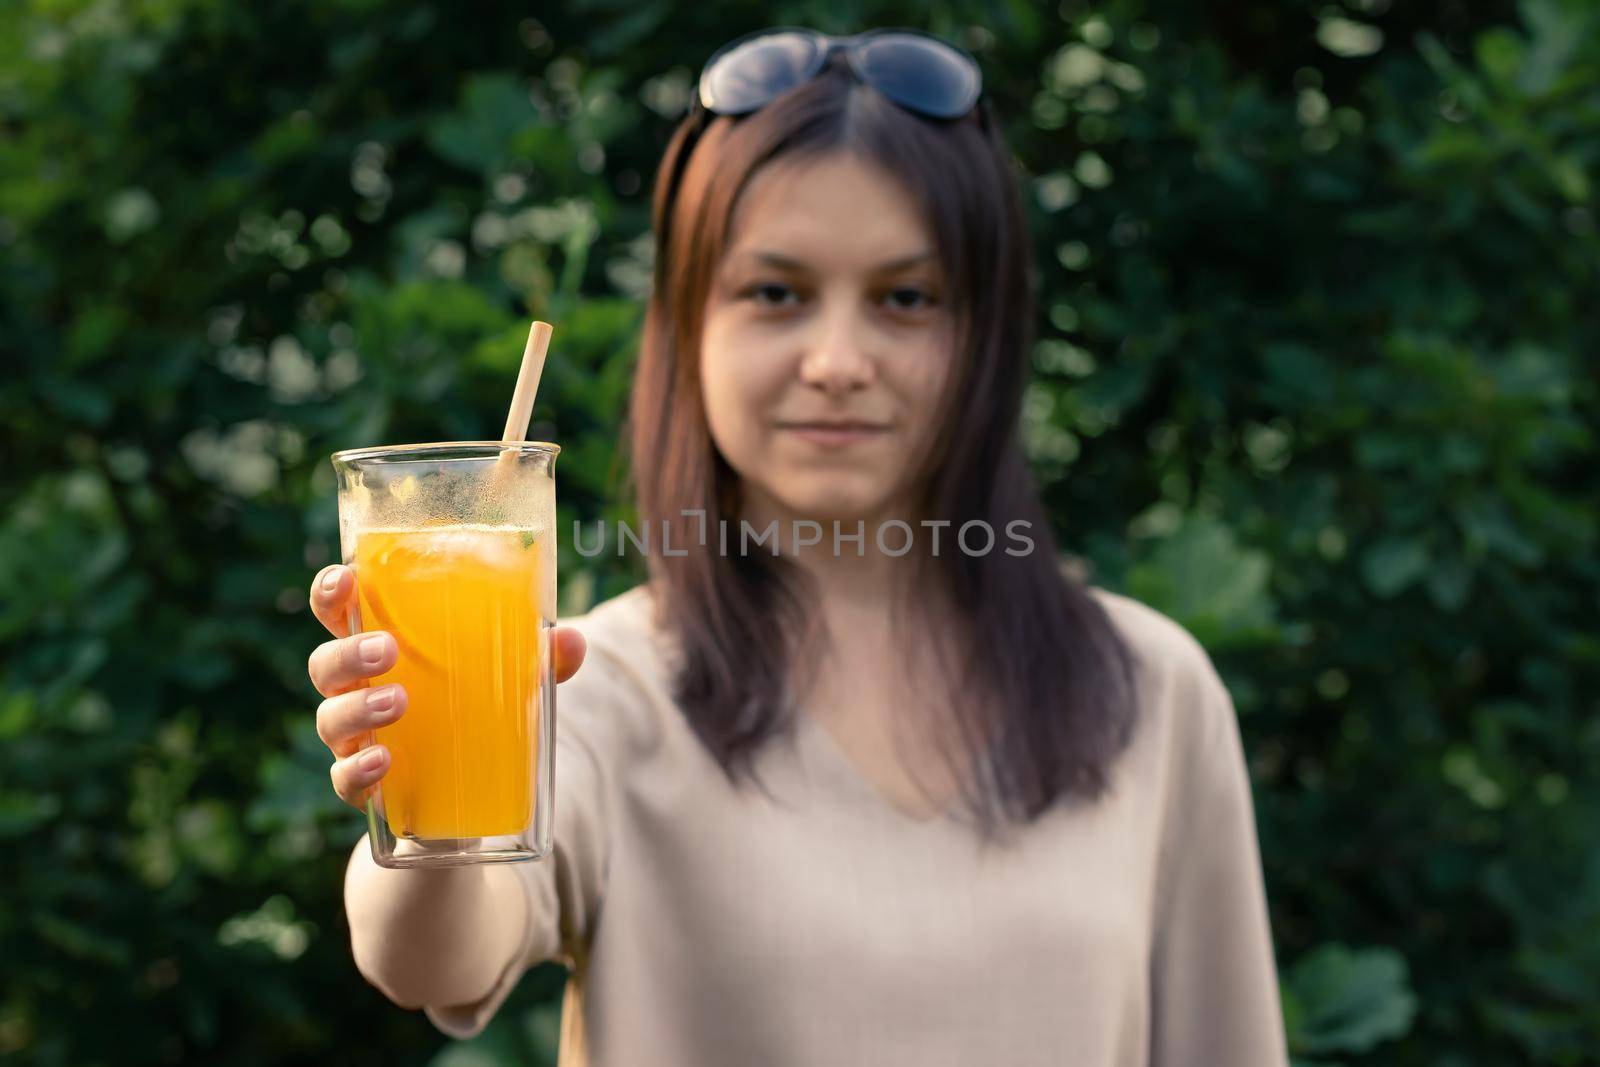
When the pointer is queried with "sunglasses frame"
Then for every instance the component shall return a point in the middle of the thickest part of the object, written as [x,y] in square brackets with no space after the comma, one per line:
[700,115]
[826,45]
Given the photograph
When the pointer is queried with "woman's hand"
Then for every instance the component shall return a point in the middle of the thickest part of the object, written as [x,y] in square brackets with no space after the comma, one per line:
[338,668]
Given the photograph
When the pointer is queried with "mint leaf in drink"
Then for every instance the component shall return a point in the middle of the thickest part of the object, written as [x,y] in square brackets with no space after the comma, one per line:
[528,538]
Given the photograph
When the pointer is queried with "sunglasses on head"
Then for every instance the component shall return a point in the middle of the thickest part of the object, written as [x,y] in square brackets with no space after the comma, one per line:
[916,70]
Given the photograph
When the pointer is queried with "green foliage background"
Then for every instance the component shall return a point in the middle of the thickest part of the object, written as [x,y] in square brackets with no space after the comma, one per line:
[1316,376]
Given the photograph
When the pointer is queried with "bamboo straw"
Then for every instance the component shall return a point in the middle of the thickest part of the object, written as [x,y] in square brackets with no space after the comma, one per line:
[527,382]
[522,398]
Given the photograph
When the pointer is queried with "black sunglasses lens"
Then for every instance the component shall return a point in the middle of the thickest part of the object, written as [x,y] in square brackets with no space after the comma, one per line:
[921,73]
[757,72]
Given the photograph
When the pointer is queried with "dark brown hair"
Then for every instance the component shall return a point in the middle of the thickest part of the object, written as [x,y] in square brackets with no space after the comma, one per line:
[1043,693]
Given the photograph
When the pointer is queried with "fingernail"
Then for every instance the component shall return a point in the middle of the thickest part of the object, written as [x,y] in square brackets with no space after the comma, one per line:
[381,703]
[370,760]
[371,649]
[330,581]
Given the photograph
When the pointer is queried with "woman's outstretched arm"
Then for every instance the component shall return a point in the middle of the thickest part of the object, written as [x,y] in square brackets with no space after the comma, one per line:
[434,937]
[452,941]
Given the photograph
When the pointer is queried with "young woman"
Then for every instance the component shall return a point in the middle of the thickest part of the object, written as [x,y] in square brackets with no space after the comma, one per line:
[863,775]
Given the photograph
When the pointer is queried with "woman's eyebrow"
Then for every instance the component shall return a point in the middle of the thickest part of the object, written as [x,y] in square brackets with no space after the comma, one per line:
[778,259]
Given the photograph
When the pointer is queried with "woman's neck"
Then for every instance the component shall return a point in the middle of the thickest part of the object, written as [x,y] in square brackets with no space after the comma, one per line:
[850,568]
[865,596]
[886,632]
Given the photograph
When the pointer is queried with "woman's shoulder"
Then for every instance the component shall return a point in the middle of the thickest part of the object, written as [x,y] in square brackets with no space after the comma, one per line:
[620,697]
[1156,638]
[625,639]
[627,617]
[1178,683]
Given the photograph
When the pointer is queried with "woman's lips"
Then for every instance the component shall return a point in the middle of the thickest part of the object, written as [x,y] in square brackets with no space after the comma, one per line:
[835,434]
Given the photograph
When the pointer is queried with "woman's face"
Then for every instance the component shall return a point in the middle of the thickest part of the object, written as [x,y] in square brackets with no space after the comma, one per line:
[828,339]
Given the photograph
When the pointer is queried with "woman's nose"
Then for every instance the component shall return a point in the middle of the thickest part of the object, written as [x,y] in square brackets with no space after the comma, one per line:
[837,359]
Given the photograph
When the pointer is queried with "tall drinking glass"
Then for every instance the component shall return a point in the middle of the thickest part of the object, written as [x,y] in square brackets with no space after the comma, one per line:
[453,548]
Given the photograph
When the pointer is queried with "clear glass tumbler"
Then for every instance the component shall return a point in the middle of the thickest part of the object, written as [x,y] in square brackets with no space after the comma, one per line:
[453,549]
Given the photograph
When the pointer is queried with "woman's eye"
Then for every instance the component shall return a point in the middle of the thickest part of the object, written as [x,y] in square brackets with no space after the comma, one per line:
[909,298]
[773,290]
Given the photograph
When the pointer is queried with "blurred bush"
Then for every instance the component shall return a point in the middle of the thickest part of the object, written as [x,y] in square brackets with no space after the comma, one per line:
[1315,376]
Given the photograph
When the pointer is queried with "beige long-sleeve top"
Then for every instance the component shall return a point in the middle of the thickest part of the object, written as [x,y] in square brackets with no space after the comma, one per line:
[824,926]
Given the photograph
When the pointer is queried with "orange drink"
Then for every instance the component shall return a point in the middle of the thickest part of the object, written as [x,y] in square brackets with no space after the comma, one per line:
[462,601]
[453,548]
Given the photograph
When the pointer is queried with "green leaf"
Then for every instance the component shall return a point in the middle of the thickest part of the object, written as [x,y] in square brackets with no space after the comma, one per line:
[1204,579]
[21,813]
[1500,54]
[1449,583]
[478,135]
[1348,1000]
[1392,564]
